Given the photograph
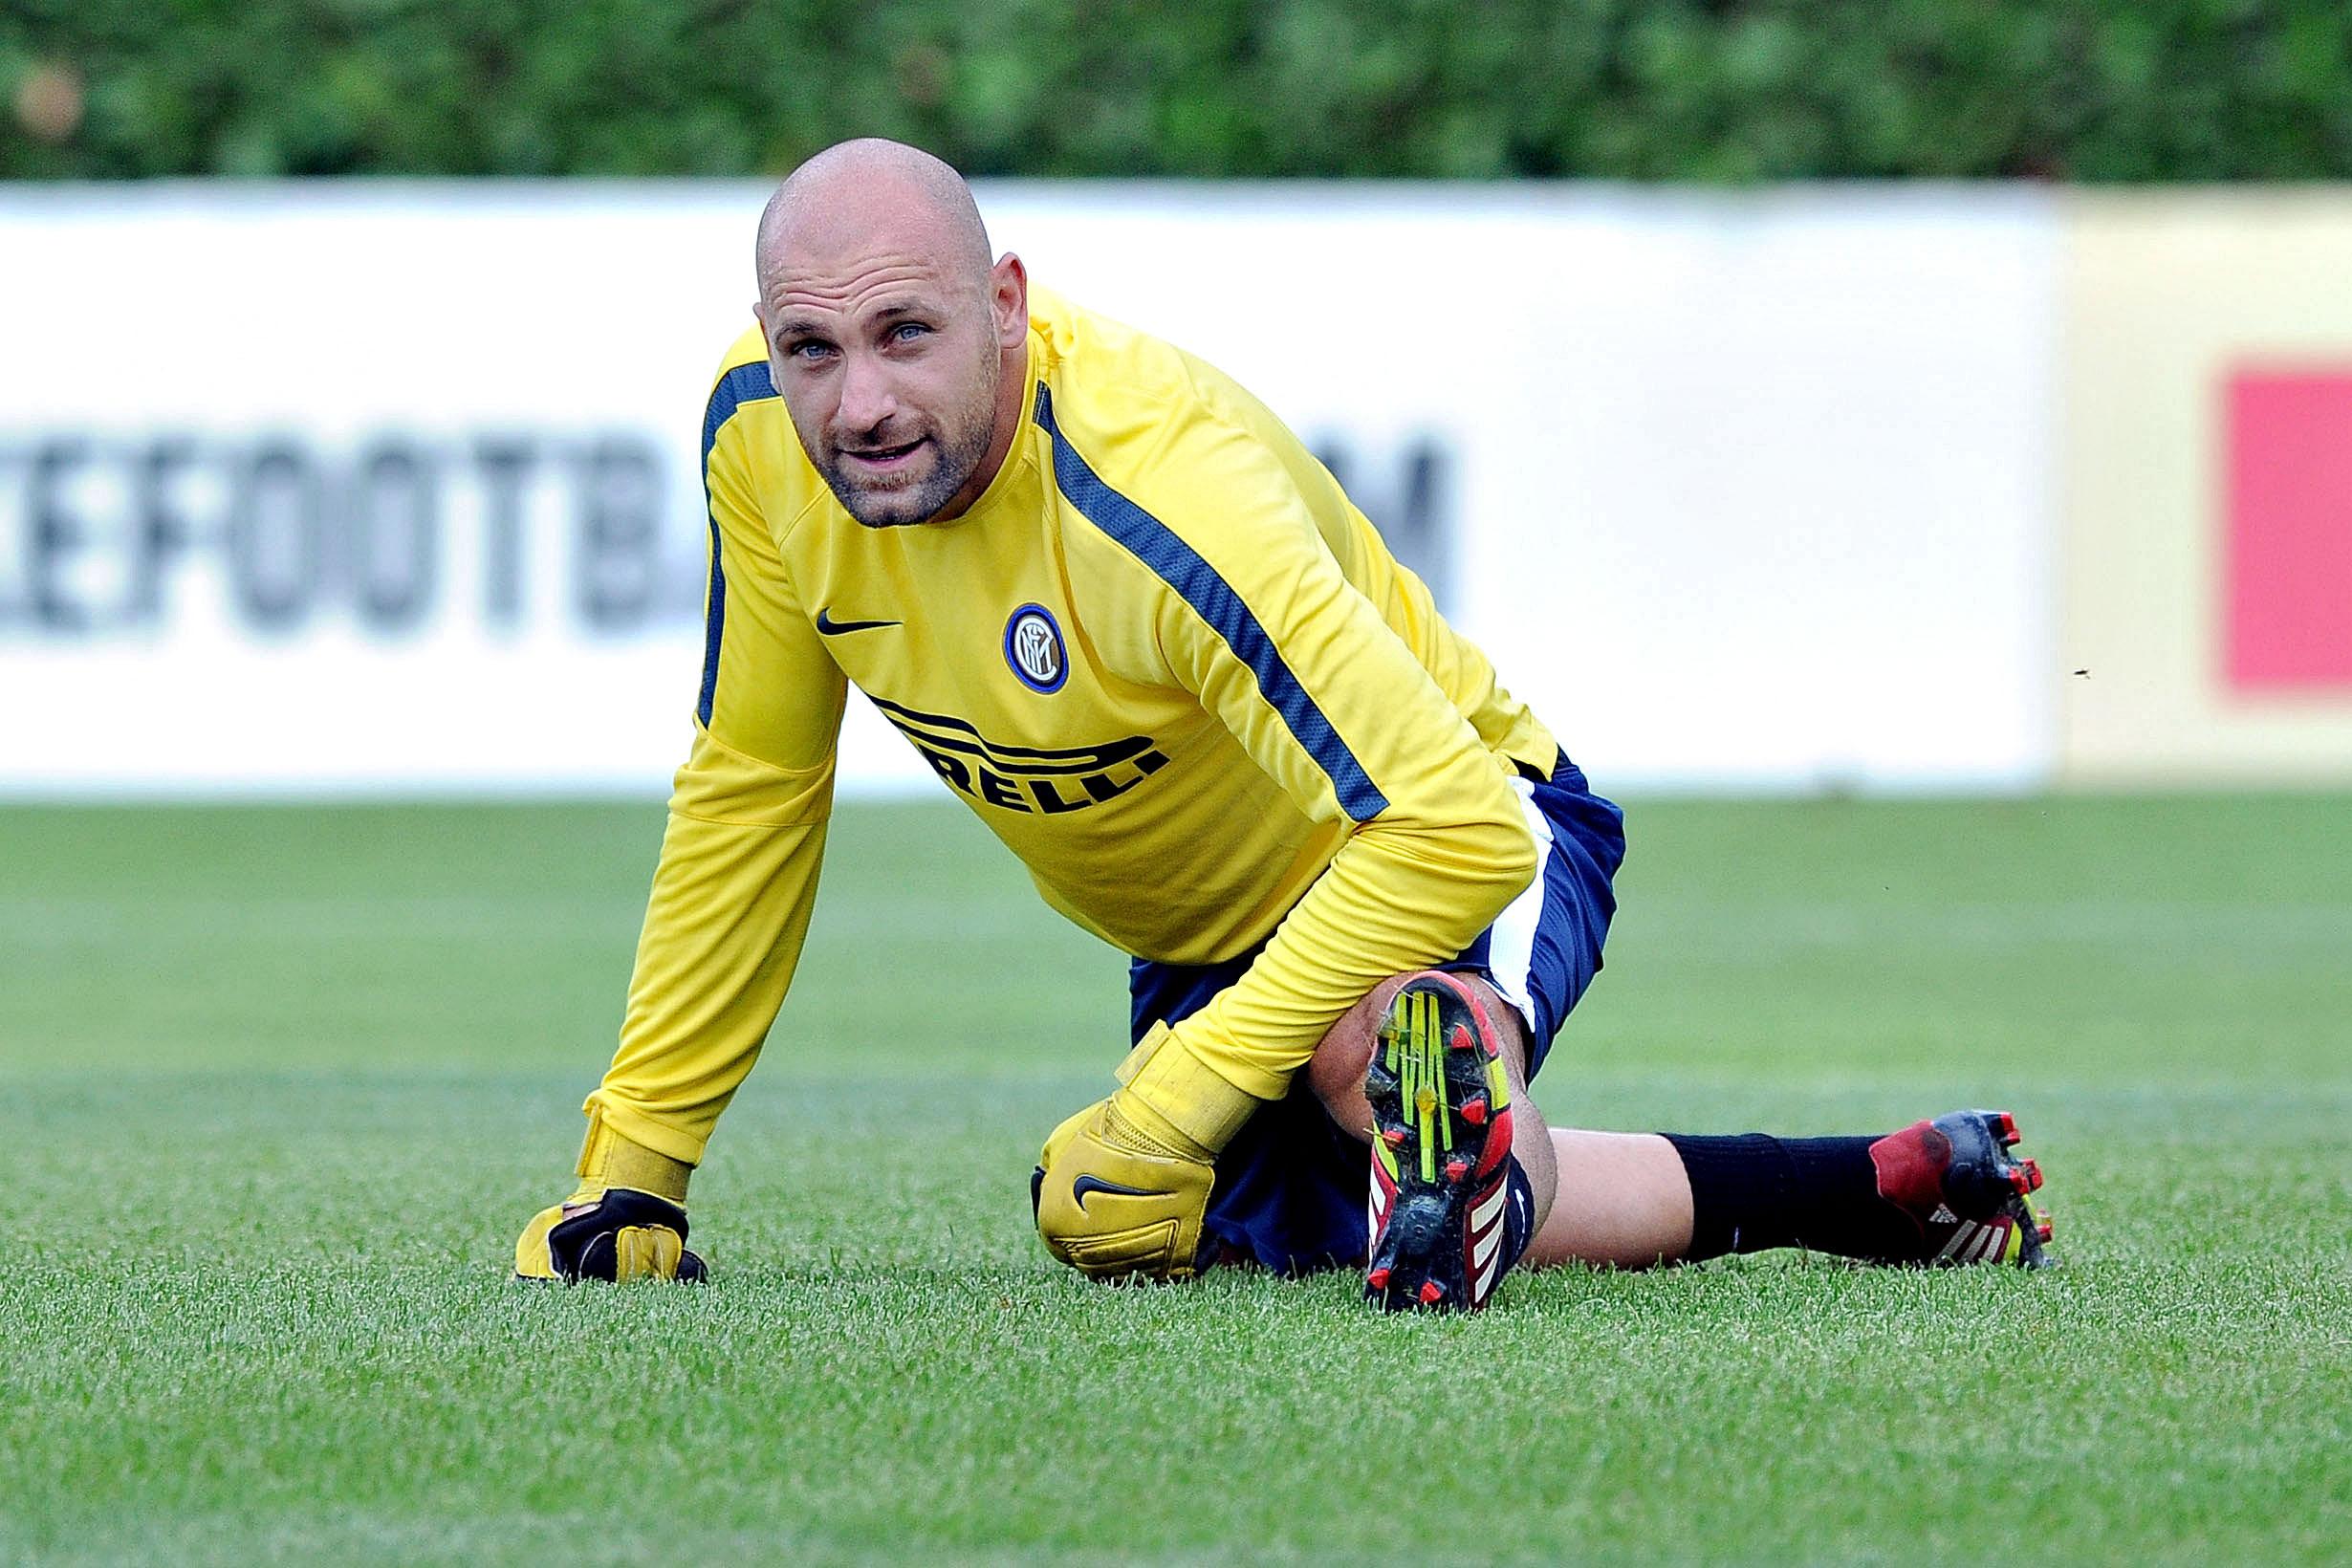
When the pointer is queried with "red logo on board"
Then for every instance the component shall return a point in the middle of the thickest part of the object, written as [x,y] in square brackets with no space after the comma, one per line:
[2289,459]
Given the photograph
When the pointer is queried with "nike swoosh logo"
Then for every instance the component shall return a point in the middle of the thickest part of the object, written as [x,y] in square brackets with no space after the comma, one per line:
[1085,1185]
[830,627]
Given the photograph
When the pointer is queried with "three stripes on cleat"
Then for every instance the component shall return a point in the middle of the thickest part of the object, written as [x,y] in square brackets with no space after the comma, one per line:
[1484,1243]
[1970,1242]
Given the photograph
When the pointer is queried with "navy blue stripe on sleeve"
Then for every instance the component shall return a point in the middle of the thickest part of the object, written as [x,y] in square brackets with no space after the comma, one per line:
[1213,600]
[745,383]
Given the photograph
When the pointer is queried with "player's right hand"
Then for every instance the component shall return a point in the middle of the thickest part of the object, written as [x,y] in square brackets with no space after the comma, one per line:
[614,1233]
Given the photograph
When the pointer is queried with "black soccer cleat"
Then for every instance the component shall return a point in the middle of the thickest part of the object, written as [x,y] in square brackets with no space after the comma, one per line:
[1441,1151]
[1972,1203]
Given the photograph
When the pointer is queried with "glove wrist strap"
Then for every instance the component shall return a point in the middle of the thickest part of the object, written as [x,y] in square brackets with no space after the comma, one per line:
[1180,1094]
[608,1160]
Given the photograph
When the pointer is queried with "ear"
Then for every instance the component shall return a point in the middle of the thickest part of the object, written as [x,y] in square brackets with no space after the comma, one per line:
[1009,301]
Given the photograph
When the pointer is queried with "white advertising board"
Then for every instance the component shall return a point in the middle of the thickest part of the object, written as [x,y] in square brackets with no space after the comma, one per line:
[391,488]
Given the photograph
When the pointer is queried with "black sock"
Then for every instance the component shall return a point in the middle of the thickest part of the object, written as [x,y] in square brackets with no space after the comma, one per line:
[1753,1192]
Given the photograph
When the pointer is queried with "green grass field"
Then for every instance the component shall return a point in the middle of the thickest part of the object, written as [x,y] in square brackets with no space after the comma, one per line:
[283,1083]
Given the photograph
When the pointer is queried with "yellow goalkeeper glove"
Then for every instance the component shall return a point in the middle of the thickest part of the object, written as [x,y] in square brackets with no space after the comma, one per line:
[627,1221]
[1121,1189]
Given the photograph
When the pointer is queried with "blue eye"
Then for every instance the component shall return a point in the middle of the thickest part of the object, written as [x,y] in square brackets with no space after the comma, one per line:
[907,332]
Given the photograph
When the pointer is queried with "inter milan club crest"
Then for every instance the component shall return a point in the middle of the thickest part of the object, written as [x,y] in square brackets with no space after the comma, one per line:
[1033,647]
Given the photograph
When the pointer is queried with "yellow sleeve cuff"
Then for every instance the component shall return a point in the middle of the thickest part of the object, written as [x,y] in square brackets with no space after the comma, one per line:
[1193,1099]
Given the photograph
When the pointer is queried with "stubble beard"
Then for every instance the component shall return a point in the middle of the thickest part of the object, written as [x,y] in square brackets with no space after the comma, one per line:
[920,500]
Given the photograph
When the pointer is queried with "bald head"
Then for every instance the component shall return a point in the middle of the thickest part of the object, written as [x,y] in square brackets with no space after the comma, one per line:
[899,347]
[872,192]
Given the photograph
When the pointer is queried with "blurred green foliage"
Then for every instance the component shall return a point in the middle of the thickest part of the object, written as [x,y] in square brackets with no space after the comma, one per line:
[1734,89]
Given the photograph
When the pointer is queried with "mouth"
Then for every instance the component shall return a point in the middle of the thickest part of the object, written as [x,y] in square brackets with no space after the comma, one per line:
[882,459]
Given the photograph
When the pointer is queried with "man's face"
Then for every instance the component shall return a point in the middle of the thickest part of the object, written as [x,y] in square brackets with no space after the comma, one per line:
[890,368]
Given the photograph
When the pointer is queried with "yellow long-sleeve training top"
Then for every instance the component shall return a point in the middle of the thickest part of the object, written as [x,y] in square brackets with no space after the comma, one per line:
[1163,657]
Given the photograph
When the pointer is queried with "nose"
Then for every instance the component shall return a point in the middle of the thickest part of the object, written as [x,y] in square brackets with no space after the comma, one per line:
[866,395]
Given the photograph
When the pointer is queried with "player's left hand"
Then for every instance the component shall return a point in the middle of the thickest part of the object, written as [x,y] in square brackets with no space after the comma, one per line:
[625,1221]
[1121,1189]
[615,1235]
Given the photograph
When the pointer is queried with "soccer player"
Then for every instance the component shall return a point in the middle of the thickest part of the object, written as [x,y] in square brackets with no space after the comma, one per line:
[1133,624]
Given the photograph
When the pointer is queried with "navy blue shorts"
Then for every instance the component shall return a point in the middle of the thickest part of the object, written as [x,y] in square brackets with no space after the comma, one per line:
[1291,1188]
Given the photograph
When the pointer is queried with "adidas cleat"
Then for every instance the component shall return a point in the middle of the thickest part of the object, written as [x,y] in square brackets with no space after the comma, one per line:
[1971,1200]
[1441,1151]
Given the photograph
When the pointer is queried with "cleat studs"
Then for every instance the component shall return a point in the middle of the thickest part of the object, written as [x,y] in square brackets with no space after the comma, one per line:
[2033,1176]
[1462,1039]
[1393,1136]
[1378,1278]
[2004,1128]
[1456,1168]
[1431,1291]
[1474,1110]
